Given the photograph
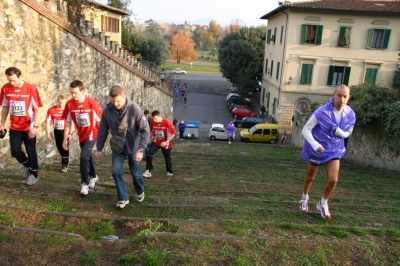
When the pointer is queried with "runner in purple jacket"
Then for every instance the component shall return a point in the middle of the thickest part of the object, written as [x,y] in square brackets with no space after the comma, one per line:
[230,130]
[324,135]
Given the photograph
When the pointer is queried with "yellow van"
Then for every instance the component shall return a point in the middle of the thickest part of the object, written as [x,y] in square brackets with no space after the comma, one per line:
[261,133]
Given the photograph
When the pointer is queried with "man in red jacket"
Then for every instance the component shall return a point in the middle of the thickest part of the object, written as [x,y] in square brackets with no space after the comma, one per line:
[22,101]
[85,113]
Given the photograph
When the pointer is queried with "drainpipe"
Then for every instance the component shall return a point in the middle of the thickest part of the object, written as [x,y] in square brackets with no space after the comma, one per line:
[283,60]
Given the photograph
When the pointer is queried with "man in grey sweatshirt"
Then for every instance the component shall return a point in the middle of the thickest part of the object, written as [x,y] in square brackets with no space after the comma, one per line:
[130,132]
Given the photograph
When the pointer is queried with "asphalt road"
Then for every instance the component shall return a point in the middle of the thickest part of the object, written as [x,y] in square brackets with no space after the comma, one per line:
[206,101]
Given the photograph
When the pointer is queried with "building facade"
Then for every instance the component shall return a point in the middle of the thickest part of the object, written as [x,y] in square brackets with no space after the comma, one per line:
[311,47]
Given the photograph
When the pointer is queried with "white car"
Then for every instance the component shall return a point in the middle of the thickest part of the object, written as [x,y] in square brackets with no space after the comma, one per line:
[230,95]
[217,131]
[178,71]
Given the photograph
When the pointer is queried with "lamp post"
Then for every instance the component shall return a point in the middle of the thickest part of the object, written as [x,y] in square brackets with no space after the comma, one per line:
[162,75]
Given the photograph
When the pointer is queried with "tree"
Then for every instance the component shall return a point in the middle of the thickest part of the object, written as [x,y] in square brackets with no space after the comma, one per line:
[182,48]
[197,37]
[255,37]
[238,59]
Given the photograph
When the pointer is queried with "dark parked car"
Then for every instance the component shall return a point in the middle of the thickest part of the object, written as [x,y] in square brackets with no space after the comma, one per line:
[249,121]
[240,101]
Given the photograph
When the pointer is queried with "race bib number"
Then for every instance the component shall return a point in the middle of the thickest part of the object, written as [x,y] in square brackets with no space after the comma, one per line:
[160,134]
[59,124]
[17,108]
[83,120]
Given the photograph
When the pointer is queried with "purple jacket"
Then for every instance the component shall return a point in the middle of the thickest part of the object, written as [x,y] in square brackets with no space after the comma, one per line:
[230,129]
[324,133]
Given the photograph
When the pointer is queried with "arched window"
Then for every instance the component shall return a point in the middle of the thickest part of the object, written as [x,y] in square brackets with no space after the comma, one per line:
[302,104]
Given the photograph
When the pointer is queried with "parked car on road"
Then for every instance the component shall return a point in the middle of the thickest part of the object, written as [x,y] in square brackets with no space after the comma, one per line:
[178,71]
[249,121]
[217,131]
[231,95]
[240,101]
[261,133]
[240,112]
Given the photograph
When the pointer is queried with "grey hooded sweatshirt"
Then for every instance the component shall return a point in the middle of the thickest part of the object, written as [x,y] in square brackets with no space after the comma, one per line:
[138,130]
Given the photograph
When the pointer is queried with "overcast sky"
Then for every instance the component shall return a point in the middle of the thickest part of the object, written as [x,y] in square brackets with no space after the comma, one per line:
[201,11]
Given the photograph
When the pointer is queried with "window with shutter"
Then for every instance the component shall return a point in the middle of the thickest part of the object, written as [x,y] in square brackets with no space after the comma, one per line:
[370,75]
[266,66]
[272,67]
[306,73]
[274,106]
[268,97]
[268,36]
[344,37]
[281,34]
[274,35]
[311,34]
[277,69]
[378,38]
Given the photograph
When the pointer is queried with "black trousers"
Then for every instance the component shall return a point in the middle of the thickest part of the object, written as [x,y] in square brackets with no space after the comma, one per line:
[87,164]
[59,136]
[30,161]
[167,156]
[181,134]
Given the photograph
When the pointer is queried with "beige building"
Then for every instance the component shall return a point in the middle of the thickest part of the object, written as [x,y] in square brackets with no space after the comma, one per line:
[107,19]
[314,46]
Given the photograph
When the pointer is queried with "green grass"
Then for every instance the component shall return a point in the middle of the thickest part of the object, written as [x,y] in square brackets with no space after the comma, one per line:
[129,259]
[90,257]
[58,206]
[209,68]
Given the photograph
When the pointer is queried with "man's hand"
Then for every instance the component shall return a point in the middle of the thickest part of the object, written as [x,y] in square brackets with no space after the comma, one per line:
[65,144]
[48,136]
[320,149]
[99,155]
[138,156]
[32,133]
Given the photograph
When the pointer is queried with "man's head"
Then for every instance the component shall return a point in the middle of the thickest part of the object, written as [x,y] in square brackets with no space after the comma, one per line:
[61,99]
[146,113]
[340,97]
[156,116]
[14,76]
[118,97]
[76,88]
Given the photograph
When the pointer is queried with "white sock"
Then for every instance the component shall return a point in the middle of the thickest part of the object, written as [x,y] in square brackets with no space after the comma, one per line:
[324,201]
[305,196]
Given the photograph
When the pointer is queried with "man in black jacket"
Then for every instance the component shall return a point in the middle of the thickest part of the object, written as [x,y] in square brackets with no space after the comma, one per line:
[130,133]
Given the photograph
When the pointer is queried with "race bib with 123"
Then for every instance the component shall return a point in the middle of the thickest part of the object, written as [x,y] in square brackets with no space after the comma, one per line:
[17,108]
[83,120]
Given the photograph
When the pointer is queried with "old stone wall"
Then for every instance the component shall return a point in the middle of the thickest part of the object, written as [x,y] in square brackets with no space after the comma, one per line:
[51,53]
[366,146]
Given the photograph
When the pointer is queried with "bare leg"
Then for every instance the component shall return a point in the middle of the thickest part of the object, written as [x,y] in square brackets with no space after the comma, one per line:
[312,171]
[332,170]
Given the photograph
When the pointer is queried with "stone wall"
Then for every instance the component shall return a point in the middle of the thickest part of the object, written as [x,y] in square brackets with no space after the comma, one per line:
[366,146]
[51,53]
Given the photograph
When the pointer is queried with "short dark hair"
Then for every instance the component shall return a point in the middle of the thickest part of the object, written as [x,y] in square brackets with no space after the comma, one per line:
[146,112]
[13,70]
[155,113]
[77,84]
[115,91]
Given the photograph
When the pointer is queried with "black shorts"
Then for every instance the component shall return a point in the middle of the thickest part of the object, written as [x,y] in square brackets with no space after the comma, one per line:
[315,164]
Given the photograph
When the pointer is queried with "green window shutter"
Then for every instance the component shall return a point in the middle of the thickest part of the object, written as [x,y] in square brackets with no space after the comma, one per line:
[346,75]
[268,35]
[274,34]
[370,36]
[303,33]
[370,75]
[281,34]
[272,67]
[277,69]
[319,34]
[309,73]
[266,66]
[274,106]
[330,75]
[386,38]
[342,36]
[268,97]
[303,77]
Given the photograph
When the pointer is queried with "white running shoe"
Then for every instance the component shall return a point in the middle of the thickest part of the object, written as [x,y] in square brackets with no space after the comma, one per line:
[147,173]
[93,181]
[26,173]
[169,173]
[304,204]
[324,209]
[121,204]
[31,180]
[140,197]
[85,189]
